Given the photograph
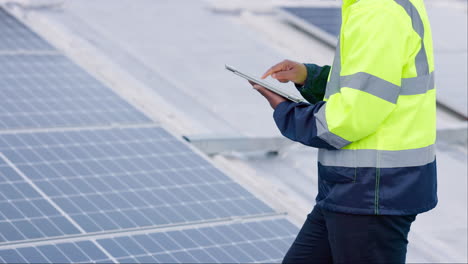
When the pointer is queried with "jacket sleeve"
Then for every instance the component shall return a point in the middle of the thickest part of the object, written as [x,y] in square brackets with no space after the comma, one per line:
[370,77]
[298,122]
[314,86]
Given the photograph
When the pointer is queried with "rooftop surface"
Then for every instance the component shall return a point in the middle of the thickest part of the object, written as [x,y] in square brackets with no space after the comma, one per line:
[167,59]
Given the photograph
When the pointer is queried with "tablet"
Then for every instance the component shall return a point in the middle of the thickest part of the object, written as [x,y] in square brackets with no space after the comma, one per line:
[268,86]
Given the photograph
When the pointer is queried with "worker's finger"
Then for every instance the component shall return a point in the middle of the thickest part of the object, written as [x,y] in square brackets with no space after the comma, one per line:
[252,83]
[258,87]
[273,69]
[264,91]
[284,75]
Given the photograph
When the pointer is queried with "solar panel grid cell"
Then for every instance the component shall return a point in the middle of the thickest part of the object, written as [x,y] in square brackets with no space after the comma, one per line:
[51,91]
[112,179]
[69,252]
[24,213]
[182,247]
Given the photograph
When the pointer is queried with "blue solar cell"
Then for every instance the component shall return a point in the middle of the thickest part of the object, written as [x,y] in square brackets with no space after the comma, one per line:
[130,245]
[103,221]
[184,257]
[47,227]
[165,258]
[32,255]
[270,250]
[27,190]
[63,224]
[148,244]
[53,254]
[138,217]
[281,227]
[327,19]
[73,252]
[219,211]
[87,224]
[122,220]
[113,248]
[45,207]
[245,231]
[91,250]
[165,241]
[236,252]
[214,235]
[128,260]
[201,239]
[10,212]
[202,256]
[9,232]
[228,232]
[11,256]
[10,192]
[8,174]
[221,255]
[28,229]
[182,239]
[281,244]
[251,250]
[145,259]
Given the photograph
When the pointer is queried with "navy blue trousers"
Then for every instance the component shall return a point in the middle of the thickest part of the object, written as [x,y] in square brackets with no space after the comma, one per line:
[330,237]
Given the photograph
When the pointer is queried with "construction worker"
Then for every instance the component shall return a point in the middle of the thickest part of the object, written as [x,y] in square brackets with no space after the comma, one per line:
[372,117]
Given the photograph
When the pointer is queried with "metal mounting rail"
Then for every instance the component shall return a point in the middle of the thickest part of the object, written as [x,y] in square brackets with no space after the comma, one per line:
[219,144]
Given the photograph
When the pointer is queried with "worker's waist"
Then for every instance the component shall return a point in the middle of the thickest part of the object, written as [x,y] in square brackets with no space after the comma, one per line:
[377,158]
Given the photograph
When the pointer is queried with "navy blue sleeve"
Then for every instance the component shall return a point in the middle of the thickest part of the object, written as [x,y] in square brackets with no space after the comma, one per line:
[314,86]
[297,122]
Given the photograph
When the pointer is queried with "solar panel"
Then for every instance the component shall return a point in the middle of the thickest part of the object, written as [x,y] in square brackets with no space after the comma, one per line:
[324,22]
[97,172]
[248,242]
[25,213]
[51,91]
[17,37]
[113,179]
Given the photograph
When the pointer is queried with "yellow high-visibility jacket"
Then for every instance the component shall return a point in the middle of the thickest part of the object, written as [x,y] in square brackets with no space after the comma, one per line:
[375,126]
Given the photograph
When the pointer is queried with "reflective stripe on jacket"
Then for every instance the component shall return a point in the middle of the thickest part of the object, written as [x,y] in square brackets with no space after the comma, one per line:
[375,127]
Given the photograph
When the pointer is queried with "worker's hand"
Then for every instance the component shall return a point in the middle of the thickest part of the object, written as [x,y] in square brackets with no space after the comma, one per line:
[273,98]
[286,71]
